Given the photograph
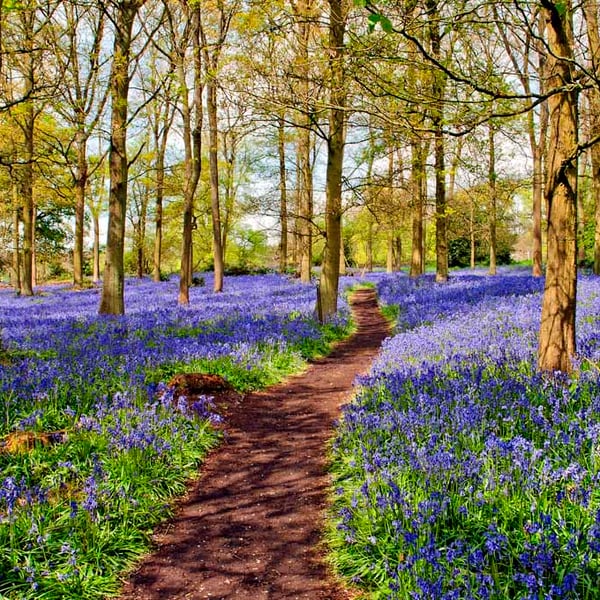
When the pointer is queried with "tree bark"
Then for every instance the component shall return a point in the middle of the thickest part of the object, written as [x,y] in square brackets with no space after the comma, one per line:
[81,181]
[96,248]
[218,258]
[305,188]
[557,329]
[590,11]
[28,201]
[16,250]
[158,216]
[283,209]
[192,139]
[417,188]
[493,197]
[335,160]
[113,287]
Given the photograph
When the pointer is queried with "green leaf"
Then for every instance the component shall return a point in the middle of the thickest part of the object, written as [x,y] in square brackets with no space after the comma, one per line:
[361,3]
[386,24]
[373,19]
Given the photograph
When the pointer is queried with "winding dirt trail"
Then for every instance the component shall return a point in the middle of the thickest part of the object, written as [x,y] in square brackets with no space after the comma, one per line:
[251,525]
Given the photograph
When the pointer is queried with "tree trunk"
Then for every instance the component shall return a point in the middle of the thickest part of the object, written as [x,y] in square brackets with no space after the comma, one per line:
[417,187]
[16,251]
[538,148]
[369,248]
[590,10]
[389,255]
[81,181]
[335,160]
[113,286]
[557,329]
[283,210]
[305,189]
[211,109]
[438,84]
[493,197]
[538,194]
[158,216]
[472,232]
[96,250]
[441,236]
[192,139]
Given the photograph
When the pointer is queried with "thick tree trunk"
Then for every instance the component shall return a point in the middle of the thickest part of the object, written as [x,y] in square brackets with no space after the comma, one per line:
[113,286]
[335,160]
[557,329]
[283,209]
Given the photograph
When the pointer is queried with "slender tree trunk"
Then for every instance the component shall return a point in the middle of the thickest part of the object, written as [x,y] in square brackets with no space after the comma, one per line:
[369,248]
[335,160]
[28,202]
[158,217]
[283,210]
[192,136]
[441,236]
[493,197]
[211,109]
[538,148]
[472,233]
[417,187]
[590,10]
[113,289]
[389,255]
[305,189]
[141,233]
[96,249]
[397,252]
[81,180]
[557,329]
[538,194]
[437,120]
[16,251]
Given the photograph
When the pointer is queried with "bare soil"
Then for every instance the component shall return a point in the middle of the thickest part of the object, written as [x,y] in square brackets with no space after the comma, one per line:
[251,526]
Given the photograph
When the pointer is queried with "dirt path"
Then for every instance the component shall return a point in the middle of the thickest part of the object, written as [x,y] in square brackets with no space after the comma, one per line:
[250,528]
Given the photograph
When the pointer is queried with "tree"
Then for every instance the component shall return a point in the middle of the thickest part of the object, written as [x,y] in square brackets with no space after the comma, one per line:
[335,159]
[557,329]
[123,16]
[212,49]
[78,47]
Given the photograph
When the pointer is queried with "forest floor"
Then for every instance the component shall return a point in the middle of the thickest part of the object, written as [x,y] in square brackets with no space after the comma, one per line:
[251,526]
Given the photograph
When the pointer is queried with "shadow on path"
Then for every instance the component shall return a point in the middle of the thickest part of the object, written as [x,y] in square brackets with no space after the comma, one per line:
[250,527]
